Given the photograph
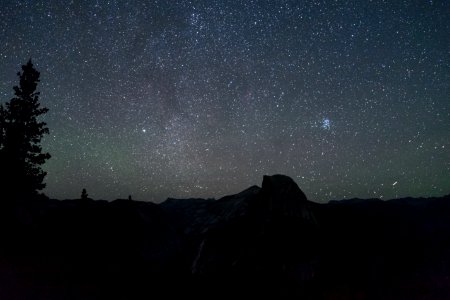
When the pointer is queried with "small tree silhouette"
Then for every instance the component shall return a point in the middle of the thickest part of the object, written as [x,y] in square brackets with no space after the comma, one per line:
[84,195]
[129,197]
[21,155]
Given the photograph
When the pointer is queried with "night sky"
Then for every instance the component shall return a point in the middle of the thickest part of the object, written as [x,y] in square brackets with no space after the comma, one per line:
[165,99]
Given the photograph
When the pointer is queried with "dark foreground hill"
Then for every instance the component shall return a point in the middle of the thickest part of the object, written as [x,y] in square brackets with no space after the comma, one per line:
[263,242]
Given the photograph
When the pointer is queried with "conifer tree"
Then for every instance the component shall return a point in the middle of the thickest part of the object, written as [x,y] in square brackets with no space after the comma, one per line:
[84,194]
[21,155]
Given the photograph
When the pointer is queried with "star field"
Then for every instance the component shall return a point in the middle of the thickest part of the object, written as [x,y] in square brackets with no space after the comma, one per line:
[165,99]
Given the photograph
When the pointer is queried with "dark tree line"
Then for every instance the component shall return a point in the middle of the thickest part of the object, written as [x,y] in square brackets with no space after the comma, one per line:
[21,154]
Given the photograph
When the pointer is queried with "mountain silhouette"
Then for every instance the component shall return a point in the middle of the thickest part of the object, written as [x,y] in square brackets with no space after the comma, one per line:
[268,241]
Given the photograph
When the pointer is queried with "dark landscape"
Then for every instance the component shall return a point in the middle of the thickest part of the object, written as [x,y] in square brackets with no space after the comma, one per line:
[167,104]
[265,241]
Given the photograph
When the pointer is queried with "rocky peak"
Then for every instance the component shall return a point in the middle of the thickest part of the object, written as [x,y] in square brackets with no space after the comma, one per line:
[282,186]
[283,197]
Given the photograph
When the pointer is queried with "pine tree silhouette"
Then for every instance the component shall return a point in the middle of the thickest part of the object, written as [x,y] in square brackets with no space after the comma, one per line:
[21,155]
[84,194]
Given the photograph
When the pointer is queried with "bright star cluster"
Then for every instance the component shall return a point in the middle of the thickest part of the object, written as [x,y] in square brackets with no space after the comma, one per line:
[160,99]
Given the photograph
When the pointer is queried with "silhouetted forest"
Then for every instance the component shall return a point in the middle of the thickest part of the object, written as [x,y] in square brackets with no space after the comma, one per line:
[267,241]
[264,241]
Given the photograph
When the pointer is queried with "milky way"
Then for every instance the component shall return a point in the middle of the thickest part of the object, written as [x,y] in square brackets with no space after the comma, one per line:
[165,99]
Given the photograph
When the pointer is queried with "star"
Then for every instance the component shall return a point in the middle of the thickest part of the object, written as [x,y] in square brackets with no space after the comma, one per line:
[326,124]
